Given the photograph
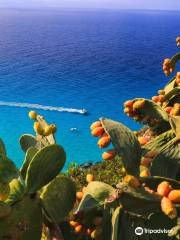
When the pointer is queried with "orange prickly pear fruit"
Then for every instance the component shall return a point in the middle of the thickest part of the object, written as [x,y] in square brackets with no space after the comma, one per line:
[97,132]
[139,104]
[145,173]
[127,110]
[155,99]
[73,224]
[128,104]
[104,142]
[161,98]
[166,61]
[32,115]
[168,109]
[168,207]
[142,140]
[151,154]
[95,125]
[108,155]
[90,178]
[146,161]
[164,188]
[37,128]
[174,196]
[132,181]
[78,229]
[79,195]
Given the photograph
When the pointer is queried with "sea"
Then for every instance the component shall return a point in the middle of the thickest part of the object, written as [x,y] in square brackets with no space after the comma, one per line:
[61,62]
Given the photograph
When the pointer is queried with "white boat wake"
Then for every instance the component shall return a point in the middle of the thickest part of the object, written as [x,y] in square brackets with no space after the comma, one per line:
[42,107]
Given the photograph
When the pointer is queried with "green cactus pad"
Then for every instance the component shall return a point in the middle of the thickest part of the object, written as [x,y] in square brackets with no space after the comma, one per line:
[138,200]
[44,166]
[95,195]
[115,223]
[27,141]
[5,209]
[24,222]
[8,170]
[167,162]
[58,198]
[126,145]
[175,124]
[174,60]
[170,85]
[175,91]
[17,190]
[158,143]
[153,182]
[28,157]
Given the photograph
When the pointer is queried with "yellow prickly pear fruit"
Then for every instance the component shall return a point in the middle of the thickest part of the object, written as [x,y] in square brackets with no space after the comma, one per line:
[37,128]
[128,104]
[89,178]
[145,173]
[164,188]
[174,196]
[139,104]
[50,129]
[168,208]
[132,181]
[161,92]
[53,128]
[32,115]
[97,234]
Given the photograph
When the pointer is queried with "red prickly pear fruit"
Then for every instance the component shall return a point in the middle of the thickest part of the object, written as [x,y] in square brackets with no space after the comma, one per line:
[168,109]
[104,142]
[95,125]
[97,132]
[174,196]
[164,188]
[155,99]
[108,155]
[128,104]
[146,161]
[168,208]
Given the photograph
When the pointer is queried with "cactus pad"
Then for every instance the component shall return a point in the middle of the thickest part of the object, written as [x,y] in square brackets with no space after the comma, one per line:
[27,141]
[58,198]
[44,166]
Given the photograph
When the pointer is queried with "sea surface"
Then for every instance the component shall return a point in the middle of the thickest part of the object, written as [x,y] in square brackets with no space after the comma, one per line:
[74,60]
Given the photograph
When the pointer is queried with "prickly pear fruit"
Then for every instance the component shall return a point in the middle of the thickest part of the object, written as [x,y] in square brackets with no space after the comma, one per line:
[132,181]
[79,195]
[97,132]
[95,125]
[146,161]
[164,188]
[174,196]
[145,173]
[32,115]
[139,104]
[108,155]
[89,178]
[78,229]
[38,129]
[104,142]
[128,104]
[142,140]
[73,224]
[168,208]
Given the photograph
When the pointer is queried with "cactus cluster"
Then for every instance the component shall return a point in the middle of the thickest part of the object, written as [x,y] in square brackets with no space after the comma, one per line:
[36,196]
[148,196]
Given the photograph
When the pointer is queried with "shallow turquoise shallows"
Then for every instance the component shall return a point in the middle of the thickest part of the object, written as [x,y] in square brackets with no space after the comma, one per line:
[93,60]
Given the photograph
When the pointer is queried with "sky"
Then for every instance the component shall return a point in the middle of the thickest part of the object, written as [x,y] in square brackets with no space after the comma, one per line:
[109,4]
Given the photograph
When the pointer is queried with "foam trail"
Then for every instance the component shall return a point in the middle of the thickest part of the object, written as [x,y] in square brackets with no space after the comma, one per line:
[42,107]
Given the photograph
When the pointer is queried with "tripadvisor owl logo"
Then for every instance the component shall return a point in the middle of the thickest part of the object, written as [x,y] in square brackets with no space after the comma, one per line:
[139,231]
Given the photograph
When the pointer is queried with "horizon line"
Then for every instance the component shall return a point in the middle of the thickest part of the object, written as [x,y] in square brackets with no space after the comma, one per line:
[87,8]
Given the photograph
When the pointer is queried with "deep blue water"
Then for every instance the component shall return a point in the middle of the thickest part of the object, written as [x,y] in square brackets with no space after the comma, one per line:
[79,59]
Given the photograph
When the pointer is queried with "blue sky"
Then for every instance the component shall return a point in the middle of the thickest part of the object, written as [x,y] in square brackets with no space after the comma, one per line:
[118,4]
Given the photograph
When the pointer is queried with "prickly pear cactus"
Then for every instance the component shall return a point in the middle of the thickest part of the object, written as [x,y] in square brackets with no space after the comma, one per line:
[44,166]
[58,198]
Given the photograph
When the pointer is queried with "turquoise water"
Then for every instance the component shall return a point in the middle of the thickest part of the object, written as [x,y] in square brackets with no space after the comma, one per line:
[93,60]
